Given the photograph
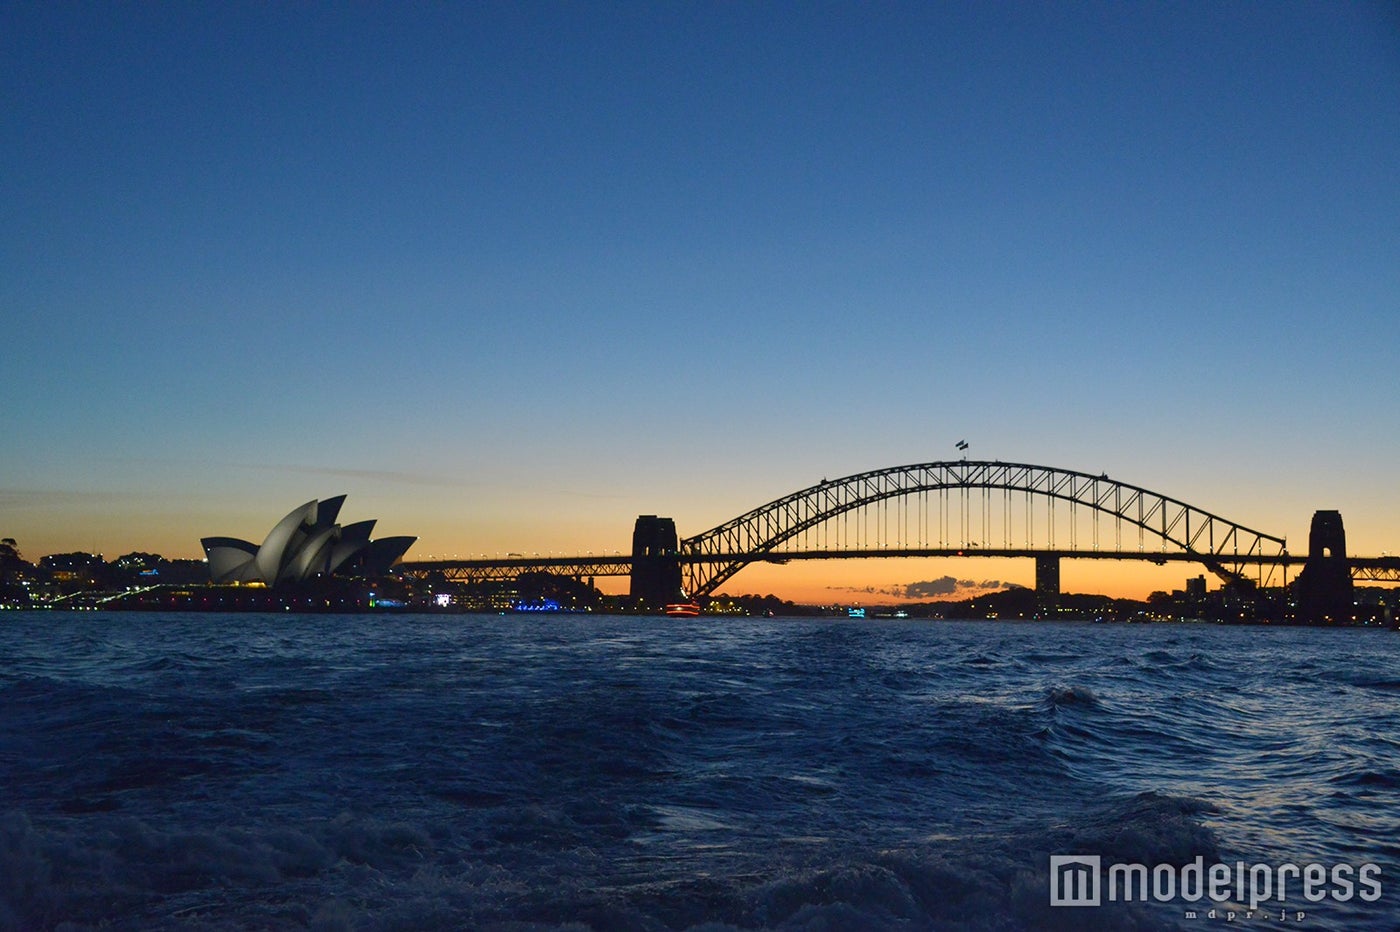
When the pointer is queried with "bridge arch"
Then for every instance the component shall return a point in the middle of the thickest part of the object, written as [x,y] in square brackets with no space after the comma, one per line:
[1225,547]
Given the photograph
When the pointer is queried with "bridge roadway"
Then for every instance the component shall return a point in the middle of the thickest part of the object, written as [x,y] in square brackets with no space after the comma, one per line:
[1363,569]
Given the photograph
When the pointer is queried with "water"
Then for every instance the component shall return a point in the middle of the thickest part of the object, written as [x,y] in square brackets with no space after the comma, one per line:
[481,772]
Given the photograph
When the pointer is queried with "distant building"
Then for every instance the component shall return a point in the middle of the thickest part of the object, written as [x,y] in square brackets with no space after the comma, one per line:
[78,567]
[304,544]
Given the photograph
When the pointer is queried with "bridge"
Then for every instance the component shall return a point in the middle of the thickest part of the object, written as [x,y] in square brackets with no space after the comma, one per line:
[962,508]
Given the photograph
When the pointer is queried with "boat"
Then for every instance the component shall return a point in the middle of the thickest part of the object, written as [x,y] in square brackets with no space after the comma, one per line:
[682,610]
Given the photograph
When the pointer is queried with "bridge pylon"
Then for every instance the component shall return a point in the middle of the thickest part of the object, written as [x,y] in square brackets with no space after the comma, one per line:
[1324,589]
[656,567]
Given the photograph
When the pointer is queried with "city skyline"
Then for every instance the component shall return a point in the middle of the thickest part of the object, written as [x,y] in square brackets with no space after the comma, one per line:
[511,276]
[991,520]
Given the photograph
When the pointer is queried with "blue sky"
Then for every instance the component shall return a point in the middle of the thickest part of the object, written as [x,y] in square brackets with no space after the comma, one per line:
[510,275]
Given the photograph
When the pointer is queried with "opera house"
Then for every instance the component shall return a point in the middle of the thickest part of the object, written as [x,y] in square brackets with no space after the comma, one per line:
[306,543]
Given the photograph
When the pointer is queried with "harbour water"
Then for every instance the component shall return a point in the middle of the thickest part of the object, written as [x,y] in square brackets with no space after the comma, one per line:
[203,771]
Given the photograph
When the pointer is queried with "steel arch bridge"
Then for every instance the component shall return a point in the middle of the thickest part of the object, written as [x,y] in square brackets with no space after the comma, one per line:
[972,507]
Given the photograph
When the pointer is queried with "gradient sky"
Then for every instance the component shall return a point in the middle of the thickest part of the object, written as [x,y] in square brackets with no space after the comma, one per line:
[511,274]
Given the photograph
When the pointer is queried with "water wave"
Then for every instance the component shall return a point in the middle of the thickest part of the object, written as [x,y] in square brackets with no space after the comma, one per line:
[277,772]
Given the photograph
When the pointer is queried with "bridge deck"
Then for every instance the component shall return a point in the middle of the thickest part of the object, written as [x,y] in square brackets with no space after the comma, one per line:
[1376,569]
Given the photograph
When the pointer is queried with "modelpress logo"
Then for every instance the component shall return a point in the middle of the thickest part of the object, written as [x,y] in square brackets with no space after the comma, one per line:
[1081,880]
[1074,880]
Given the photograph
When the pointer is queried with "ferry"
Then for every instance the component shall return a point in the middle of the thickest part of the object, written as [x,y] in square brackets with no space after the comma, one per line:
[682,610]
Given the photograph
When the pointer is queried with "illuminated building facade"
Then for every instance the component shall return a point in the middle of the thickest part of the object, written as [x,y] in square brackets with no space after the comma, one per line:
[306,543]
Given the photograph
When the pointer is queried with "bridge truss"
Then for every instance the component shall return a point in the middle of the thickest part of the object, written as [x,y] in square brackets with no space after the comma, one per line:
[971,507]
[1375,569]
[505,569]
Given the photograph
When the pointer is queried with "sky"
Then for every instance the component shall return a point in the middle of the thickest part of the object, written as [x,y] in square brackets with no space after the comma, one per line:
[509,275]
